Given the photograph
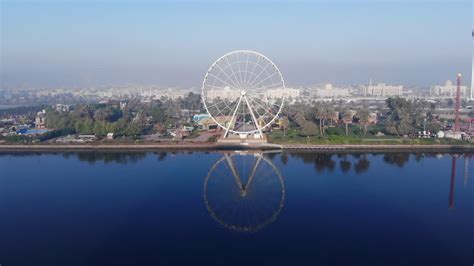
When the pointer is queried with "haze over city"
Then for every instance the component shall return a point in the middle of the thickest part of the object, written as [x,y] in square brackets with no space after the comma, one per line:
[172,43]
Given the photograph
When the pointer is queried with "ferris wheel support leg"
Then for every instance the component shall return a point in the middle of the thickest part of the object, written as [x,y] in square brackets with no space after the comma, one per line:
[253,117]
[233,116]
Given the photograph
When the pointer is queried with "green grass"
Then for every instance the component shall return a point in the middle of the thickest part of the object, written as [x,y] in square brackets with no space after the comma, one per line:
[292,137]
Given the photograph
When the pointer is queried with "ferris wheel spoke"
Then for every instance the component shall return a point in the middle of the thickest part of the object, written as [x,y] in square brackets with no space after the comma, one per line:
[262,103]
[216,77]
[246,69]
[253,70]
[215,104]
[259,74]
[257,112]
[240,71]
[214,86]
[233,72]
[259,106]
[270,105]
[261,81]
[219,112]
[265,109]
[268,86]
[227,76]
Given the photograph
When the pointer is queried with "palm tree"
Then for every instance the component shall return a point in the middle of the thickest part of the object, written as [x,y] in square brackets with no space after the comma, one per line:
[364,116]
[329,113]
[284,123]
[347,118]
[320,116]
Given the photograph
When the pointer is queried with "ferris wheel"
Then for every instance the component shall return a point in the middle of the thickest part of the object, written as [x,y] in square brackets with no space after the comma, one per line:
[243,92]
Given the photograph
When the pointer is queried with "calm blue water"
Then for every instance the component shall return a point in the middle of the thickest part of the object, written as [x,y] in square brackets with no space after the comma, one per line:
[236,209]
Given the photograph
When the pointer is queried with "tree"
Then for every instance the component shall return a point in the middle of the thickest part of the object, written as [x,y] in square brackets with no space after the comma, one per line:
[401,116]
[192,101]
[364,116]
[320,115]
[307,128]
[284,123]
[347,119]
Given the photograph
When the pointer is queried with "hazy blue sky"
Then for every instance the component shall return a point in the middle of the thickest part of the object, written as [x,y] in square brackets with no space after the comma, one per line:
[90,43]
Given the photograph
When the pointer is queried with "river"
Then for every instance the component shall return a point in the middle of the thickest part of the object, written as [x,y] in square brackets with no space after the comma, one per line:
[216,208]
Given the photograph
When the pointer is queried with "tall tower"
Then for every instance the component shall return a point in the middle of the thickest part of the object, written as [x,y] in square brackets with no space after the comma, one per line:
[458,104]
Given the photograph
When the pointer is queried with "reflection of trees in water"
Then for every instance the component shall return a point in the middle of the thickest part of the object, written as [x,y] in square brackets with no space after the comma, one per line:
[398,159]
[162,156]
[284,158]
[362,165]
[358,161]
[345,165]
[324,161]
[109,157]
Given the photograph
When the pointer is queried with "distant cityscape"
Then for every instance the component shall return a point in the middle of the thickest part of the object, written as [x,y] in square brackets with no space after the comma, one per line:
[20,97]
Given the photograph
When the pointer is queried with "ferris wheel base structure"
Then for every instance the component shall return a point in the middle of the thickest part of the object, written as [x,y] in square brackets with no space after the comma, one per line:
[243,139]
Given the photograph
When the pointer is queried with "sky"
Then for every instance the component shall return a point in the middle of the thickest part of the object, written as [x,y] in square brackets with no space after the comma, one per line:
[88,43]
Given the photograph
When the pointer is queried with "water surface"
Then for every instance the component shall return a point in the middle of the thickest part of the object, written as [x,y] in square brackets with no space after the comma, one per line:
[196,208]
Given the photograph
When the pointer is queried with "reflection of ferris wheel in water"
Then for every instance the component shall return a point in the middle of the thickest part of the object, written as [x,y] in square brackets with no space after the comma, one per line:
[244,192]
[243,92]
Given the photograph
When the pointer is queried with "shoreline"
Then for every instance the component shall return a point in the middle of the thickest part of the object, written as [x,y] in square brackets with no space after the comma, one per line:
[217,146]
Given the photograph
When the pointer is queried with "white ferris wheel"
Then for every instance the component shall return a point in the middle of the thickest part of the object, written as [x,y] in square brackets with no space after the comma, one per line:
[243,92]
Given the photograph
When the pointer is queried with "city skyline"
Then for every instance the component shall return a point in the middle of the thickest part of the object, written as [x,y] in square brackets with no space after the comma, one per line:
[87,43]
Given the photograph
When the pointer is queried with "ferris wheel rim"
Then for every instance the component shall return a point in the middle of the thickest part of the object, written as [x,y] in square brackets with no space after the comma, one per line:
[257,127]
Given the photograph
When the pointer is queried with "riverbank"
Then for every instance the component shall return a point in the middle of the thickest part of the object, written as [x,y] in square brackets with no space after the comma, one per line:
[218,146]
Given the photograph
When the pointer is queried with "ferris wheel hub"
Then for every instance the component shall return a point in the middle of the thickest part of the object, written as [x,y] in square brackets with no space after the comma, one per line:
[242,92]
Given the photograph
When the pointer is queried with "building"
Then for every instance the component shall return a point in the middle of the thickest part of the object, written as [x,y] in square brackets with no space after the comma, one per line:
[282,92]
[382,90]
[448,90]
[328,91]
[62,107]
[226,93]
[40,121]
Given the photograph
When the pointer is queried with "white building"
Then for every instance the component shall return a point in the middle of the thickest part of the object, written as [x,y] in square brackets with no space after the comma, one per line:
[448,90]
[282,92]
[226,93]
[61,107]
[328,91]
[382,90]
